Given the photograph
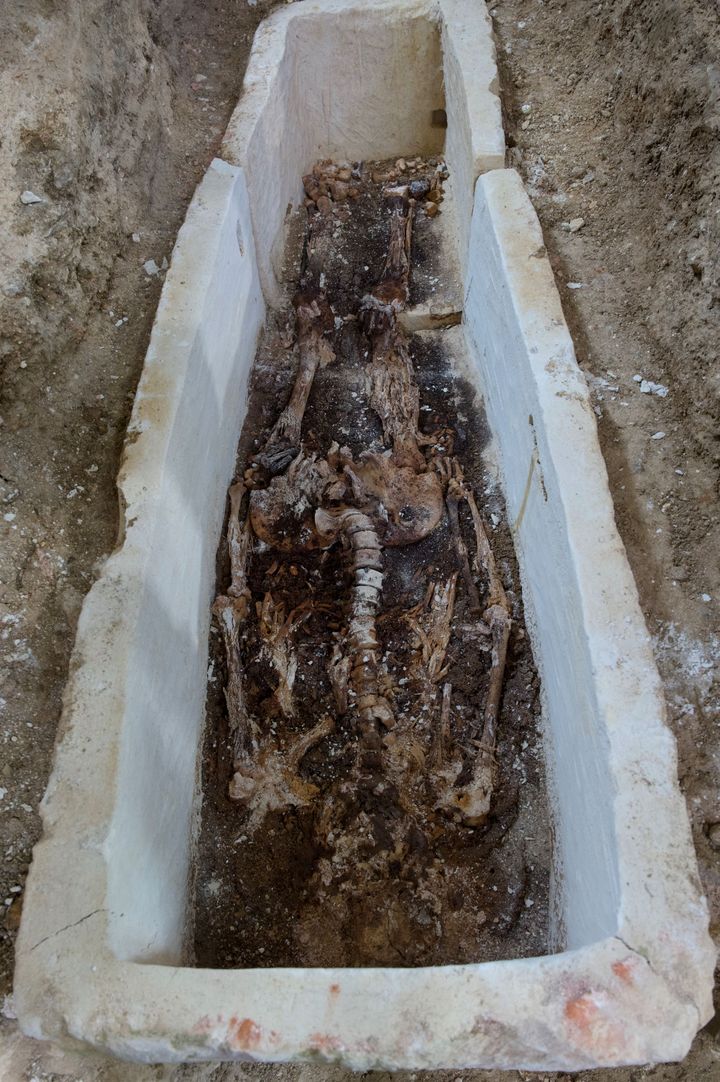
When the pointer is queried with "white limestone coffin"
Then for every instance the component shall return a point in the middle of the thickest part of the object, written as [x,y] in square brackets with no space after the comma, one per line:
[101,951]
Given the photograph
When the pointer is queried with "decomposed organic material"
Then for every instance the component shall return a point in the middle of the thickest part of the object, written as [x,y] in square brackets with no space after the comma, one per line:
[409,772]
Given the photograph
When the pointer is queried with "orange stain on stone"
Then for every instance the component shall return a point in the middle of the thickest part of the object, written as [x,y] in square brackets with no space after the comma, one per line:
[244,1035]
[624,971]
[594,1028]
[322,1042]
[581,1011]
[334,989]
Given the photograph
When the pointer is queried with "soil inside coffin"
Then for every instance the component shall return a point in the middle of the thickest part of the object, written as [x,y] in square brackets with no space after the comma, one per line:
[420,887]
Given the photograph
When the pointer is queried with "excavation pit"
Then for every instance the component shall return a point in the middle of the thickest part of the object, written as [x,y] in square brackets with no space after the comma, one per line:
[104,954]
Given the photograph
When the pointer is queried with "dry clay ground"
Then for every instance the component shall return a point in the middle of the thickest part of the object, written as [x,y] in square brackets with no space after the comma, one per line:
[110,111]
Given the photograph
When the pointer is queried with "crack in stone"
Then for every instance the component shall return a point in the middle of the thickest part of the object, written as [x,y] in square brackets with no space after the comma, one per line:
[639,954]
[681,996]
[65,928]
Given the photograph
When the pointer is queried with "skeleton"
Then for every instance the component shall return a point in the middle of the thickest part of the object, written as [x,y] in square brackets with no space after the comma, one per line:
[300,502]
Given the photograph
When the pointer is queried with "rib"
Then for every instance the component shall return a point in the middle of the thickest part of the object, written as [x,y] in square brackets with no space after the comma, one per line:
[276,630]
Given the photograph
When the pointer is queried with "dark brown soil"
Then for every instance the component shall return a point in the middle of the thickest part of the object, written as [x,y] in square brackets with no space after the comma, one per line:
[274,894]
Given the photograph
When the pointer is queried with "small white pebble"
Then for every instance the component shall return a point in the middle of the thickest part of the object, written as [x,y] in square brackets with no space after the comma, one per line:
[705,597]
[648,386]
[658,436]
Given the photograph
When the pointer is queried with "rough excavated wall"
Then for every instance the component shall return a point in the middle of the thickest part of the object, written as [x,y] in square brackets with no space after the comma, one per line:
[83,129]
[663,91]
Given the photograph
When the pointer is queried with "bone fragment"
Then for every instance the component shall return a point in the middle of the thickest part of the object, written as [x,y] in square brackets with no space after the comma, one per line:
[339,673]
[239,542]
[429,317]
[474,799]
[442,734]
[283,513]
[432,627]
[277,630]
[231,611]
[395,397]
[497,616]
[396,273]
[271,782]
[313,317]
[456,492]
[394,393]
